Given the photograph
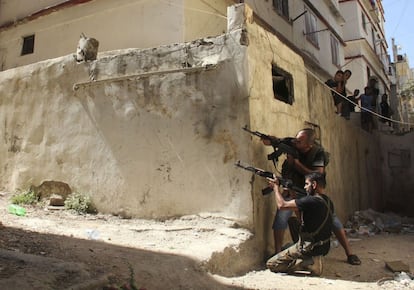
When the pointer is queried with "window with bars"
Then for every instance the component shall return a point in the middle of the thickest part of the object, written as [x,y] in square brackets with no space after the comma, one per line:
[311,28]
[282,7]
[335,50]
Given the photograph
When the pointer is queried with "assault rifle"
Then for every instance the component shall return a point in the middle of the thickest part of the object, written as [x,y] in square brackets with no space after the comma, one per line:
[286,183]
[284,145]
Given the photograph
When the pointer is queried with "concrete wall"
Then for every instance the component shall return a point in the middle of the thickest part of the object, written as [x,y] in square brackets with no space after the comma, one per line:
[152,138]
[154,146]
[398,172]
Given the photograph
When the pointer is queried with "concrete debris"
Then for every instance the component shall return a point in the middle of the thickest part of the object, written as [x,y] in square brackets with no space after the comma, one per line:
[401,280]
[369,222]
[397,266]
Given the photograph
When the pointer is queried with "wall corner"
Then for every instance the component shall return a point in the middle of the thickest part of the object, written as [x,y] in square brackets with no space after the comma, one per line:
[237,16]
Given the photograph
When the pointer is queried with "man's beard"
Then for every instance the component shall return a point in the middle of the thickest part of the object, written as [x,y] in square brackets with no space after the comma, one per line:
[311,191]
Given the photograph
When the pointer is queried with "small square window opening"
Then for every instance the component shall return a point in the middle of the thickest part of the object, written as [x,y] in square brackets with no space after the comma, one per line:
[28,44]
[282,85]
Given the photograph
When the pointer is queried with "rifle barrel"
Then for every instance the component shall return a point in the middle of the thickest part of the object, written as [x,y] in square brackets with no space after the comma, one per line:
[267,174]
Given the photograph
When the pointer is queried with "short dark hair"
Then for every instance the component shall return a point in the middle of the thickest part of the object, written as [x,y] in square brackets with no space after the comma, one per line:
[318,177]
[350,73]
[310,135]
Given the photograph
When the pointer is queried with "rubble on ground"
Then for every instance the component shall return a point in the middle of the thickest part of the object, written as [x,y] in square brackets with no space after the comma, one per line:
[370,222]
[400,281]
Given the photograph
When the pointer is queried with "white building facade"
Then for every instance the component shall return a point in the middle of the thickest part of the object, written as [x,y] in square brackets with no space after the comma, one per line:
[366,47]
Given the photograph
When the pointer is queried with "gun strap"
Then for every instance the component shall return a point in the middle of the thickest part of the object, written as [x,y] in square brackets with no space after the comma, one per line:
[314,233]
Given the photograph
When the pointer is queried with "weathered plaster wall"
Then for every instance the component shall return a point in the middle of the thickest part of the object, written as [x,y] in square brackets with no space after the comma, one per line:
[398,172]
[151,146]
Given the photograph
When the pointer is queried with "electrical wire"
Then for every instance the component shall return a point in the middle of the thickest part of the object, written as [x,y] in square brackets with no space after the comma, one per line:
[270,45]
[362,109]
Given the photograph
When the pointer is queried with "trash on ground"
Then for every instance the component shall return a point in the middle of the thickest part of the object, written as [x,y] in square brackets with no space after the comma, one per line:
[370,222]
[17,210]
[93,234]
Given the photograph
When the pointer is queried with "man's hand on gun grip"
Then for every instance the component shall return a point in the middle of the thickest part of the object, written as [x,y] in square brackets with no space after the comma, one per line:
[273,182]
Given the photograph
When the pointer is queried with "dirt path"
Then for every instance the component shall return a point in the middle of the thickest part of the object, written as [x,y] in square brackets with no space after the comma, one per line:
[54,250]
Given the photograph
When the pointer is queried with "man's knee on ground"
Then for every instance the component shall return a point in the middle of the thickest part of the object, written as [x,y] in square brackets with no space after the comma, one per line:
[304,265]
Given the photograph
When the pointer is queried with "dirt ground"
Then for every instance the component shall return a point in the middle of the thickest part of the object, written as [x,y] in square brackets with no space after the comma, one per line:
[56,249]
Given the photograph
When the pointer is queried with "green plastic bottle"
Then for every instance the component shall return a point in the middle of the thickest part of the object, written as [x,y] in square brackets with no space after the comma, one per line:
[17,210]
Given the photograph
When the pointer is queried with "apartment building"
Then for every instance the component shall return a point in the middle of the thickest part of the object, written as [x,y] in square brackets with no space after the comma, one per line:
[366,47]
[402,85]
[32,31]
[312,28]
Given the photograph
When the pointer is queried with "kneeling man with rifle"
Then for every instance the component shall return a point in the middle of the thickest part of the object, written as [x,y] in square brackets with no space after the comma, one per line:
[314,235]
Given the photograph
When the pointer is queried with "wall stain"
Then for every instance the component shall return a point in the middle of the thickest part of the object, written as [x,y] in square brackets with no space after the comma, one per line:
[144,198]
[15,144]
[166,170]
[230,147]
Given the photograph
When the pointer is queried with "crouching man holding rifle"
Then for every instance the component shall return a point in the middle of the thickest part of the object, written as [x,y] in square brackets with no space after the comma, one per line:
[306,256]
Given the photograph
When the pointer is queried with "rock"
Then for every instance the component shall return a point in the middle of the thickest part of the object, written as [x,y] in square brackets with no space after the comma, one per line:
[397,266]
[56,200]
[49,188]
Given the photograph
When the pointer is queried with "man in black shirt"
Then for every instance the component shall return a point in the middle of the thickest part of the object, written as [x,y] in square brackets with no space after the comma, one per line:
[311,157]
[316,215]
